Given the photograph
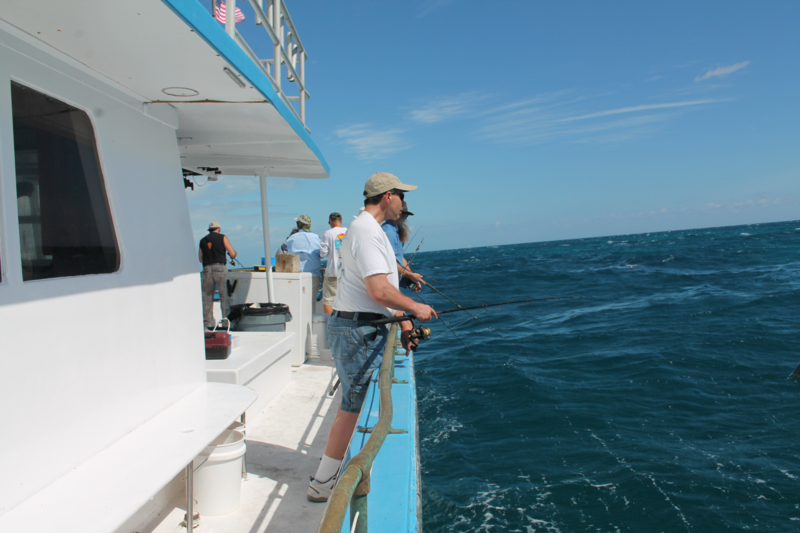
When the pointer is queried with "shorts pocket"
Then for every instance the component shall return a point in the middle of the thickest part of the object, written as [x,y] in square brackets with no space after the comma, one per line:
[340,342]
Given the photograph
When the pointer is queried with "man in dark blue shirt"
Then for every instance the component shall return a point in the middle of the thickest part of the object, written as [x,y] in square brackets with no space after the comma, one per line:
[393,228]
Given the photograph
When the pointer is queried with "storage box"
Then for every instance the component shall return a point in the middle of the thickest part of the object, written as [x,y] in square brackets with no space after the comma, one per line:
[218,344]
[287,263]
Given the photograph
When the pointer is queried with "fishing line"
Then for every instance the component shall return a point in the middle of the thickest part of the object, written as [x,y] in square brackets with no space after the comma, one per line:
[460,308]
[408,265]
[448,327]
[454,290]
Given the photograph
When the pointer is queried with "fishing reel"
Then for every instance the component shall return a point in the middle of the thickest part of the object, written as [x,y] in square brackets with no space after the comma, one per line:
[420,333]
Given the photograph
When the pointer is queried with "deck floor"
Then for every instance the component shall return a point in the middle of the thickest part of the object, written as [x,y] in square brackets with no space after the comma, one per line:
[284,444]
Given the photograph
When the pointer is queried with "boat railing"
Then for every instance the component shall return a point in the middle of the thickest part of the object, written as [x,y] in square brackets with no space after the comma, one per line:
[289,55]
[354,482]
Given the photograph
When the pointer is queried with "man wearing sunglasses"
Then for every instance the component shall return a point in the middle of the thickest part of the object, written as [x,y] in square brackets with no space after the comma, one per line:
[367,291]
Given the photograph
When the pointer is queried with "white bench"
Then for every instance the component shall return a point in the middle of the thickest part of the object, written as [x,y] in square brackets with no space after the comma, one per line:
[105,491]
[259,360]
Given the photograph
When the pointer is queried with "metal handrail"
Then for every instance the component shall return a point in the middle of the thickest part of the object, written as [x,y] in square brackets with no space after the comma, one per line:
[287,50]
[353,485]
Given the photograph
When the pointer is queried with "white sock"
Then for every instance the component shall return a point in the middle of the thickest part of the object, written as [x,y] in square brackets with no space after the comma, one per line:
[328,467]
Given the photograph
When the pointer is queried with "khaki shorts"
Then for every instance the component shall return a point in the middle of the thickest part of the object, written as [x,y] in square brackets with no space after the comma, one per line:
[328,290]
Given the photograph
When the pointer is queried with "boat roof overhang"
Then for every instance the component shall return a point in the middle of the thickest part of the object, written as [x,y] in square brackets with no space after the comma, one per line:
[173,54]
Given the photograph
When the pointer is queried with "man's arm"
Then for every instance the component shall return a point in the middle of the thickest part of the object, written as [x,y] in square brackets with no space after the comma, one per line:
[228,247]
[323,247]
[200,255]
[385,293]
[405,272]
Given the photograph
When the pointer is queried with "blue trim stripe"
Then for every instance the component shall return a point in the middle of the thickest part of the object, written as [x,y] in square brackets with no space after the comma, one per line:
[199,19]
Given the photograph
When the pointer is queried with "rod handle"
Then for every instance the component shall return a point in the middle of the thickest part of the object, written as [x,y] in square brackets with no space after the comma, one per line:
[391,320]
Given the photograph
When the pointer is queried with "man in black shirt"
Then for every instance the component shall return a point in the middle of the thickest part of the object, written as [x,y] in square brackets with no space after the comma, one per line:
[212,254]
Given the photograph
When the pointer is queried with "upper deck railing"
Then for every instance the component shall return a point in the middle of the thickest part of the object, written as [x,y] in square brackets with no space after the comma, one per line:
[354,483]
[289,55]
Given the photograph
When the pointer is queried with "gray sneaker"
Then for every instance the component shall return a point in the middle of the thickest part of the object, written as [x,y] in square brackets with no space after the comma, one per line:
[320,492]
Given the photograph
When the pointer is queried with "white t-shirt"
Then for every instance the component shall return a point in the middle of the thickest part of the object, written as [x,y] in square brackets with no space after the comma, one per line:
[329,247]
[365,251]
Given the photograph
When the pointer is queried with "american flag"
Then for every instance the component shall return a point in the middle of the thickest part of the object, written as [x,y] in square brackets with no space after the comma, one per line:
[219,12]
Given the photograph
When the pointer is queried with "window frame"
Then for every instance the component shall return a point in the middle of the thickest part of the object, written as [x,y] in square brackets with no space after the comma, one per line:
[10,150]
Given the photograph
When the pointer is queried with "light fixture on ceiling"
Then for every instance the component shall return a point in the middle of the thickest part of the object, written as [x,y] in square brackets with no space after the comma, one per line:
[180,92]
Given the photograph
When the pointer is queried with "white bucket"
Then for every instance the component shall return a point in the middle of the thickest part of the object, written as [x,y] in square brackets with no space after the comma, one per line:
[218,475]
[319,328]
[238,426]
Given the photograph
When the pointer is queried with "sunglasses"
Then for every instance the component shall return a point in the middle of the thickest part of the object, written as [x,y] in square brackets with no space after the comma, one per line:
[398,193]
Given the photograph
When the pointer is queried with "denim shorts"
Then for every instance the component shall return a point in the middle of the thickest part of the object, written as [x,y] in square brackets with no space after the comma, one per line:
[357,350]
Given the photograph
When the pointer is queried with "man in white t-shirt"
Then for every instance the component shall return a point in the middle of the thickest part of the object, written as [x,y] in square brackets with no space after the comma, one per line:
[329,247]
[367,291]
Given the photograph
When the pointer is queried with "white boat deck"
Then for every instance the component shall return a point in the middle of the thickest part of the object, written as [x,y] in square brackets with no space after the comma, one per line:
[285,441]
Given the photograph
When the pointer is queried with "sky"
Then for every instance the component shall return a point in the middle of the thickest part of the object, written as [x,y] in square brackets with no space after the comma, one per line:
[525,121]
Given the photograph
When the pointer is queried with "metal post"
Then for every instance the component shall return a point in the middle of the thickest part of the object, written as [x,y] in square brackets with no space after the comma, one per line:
[244,457]
[276,25]
[230,17]
[267,254]
[303,85]
[190,497]
[261,5]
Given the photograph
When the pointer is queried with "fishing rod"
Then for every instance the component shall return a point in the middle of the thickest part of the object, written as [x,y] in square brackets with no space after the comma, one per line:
[393,319]
[408,263]
[412,238]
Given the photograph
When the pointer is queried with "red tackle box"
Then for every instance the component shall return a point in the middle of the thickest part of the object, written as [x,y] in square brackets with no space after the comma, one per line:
[218,344]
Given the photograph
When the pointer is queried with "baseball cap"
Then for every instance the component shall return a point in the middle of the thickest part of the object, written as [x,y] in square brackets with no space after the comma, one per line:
[380,182]
[335,216]
[405,210]
[213,225]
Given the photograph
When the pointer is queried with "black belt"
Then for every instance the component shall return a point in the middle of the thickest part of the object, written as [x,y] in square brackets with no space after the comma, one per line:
[350,315]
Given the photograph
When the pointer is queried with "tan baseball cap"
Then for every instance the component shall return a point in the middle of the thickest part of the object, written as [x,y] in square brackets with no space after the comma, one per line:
[213,225]
[380,182]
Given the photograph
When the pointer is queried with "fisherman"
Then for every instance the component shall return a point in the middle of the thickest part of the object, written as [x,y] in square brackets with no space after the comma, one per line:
[329,247]
[212,254]
[397,232]
[367,291]
[306,245]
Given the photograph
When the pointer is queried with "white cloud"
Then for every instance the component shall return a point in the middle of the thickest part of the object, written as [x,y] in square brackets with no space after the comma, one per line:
[721,72]
[369,143]
[445,108]
[551,116]
[638,108]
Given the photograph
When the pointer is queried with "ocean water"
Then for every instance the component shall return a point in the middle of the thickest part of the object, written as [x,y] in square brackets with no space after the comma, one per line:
[658,401]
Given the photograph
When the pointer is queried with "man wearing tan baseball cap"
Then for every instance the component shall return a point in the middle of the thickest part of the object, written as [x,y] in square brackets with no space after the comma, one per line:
[367,291]
[382,182]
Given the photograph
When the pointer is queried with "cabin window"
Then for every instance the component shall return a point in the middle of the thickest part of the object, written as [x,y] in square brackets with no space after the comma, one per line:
[65,224]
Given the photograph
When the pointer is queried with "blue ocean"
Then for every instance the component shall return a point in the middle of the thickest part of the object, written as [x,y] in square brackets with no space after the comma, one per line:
[660,400]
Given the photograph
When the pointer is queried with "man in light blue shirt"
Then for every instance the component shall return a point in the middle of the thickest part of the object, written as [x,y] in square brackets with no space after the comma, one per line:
[306,245]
